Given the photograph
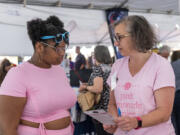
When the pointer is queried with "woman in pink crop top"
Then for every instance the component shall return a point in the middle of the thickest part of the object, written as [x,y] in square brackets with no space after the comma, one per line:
[142,82]
[35,97]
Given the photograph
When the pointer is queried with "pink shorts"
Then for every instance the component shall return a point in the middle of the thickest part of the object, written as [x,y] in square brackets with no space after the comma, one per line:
[26,130]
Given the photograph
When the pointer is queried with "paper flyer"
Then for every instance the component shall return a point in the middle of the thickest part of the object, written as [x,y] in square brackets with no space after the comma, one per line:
[101,116]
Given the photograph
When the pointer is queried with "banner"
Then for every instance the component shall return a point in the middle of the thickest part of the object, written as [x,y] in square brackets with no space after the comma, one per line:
[113,15]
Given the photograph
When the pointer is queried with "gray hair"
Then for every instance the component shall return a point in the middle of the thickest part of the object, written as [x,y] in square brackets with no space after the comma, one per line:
[141,32]
[78,47]
[102,55]
[164,48]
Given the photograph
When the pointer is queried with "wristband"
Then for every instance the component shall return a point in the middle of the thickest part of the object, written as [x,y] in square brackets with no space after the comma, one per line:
[139,120]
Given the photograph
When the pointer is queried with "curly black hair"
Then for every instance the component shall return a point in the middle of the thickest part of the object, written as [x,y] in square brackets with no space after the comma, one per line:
[56,22]
[38,28]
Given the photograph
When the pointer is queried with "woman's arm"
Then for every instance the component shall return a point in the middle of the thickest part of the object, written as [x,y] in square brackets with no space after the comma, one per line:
[164,98]
[10,112]
[97,86]
[112,109]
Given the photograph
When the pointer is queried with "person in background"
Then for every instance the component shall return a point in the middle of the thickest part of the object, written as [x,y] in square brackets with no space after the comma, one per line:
[80,62]
[90,61]
[164,51]
[176,108]
[142,82]
[65,64]
[175,55]
[97,82]
[113,59]
[6,65]
[71,64]
[35,96]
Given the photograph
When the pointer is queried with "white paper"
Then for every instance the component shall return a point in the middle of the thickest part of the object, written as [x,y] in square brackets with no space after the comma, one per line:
[101,116]
[113,80]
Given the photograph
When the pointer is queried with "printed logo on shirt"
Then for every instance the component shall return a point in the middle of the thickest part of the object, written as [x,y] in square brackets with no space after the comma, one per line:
[127,86]
[127,99]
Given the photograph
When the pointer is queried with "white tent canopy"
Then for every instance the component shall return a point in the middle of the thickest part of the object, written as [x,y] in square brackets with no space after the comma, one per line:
[87,27]
[166,28]
[150,6]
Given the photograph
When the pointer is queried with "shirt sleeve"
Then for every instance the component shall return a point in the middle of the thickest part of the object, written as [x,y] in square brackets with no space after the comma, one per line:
[13,84]
[164,76]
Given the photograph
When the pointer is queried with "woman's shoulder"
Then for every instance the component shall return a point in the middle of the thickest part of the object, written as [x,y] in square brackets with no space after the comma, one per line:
[17,73]
[120,61]
[57,67]
[106,68]
[159,61]
[19,68]
[96,68]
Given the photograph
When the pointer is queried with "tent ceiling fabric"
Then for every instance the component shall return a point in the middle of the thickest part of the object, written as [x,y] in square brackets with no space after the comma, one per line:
[87,27]
[146,6]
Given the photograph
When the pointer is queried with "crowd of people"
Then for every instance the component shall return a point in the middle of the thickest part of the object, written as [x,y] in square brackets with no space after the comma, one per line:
[80,59]
[141,91]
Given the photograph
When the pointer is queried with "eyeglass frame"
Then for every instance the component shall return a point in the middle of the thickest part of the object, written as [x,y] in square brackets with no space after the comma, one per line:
[118,37]
[56,47]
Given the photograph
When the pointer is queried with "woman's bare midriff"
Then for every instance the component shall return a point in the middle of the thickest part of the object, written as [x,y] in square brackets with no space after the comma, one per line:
[52,125]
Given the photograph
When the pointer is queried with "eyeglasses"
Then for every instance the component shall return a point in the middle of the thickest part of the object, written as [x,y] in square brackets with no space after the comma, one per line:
[58,49]
[58,38]
[118,37]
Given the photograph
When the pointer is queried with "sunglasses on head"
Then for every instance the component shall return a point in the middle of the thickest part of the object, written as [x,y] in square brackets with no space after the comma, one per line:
[58,38]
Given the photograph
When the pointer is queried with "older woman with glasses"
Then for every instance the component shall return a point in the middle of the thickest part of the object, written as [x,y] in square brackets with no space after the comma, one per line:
[35,97]
[142,83]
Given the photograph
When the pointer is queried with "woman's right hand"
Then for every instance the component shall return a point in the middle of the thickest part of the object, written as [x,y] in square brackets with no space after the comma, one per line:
[83,86]
[110,128]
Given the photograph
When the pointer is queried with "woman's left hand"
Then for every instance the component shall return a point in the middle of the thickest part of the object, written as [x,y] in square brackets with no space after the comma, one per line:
[126,123]
[110,128]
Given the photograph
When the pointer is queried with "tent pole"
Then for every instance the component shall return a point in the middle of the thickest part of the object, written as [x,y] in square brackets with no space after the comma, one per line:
[173,36]
[179,6]
[58,3]
[167,35]
[123,3]
[102,38]
[25,2]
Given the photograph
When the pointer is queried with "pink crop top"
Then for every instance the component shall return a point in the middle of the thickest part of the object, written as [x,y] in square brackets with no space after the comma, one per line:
[48,93]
